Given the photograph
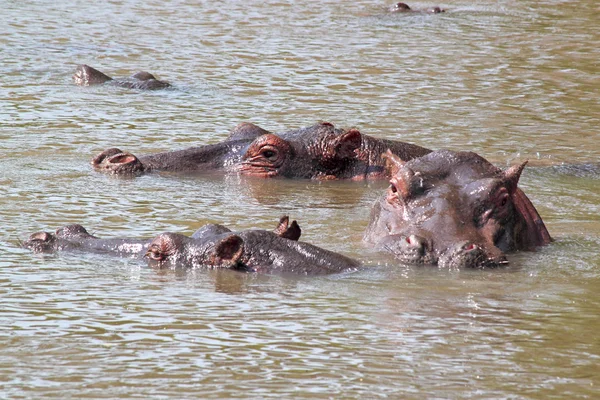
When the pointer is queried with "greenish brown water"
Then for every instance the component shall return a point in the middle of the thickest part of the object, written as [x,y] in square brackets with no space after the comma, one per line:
[510,80]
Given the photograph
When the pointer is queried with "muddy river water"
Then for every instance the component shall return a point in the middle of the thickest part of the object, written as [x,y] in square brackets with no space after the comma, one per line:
[512,80]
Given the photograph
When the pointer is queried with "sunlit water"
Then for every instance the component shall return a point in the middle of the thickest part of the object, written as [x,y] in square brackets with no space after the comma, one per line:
[510,80]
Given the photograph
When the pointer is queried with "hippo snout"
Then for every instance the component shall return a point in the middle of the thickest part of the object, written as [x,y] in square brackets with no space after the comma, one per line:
[410,249]
[117,162]
[39,242]
[467,254]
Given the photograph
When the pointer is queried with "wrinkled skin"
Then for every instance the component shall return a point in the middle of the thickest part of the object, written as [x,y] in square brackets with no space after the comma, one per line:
[320,151]
[404,8]
[456,210]
[87,76]
[212,246]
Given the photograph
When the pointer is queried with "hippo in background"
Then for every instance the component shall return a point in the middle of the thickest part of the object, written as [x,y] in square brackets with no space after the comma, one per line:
[454,210]
[317,152]
[212,246]
[404,8]
[87,76]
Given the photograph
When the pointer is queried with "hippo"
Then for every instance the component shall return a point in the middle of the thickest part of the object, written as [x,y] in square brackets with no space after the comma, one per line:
[317,152]
[87,76]
[404,8]
[212,246]
[454,209]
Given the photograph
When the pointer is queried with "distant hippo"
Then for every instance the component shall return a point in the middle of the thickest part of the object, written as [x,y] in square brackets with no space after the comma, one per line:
[317,152]
[87,76]
[454,209]
[403,7]
[212,246]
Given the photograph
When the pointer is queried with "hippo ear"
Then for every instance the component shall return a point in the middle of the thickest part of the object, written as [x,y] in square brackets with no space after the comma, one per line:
[286,230]
[228,252]
[392,162]
[348,142]
[512,175]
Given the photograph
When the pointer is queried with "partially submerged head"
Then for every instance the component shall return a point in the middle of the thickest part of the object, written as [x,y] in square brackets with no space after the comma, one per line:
[319,151]
[454,209]
[65,237]
[399,7]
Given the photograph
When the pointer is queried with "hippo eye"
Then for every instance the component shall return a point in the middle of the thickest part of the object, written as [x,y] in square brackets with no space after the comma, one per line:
[155,253]
[270,153]
[393,188]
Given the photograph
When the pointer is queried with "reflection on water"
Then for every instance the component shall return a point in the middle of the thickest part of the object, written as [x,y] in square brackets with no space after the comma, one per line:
[512,81]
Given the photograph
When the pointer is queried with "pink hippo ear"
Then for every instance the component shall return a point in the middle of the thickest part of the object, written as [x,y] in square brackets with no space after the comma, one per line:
[512,175]
[228,252]
[392,163]
[535,233]
[348,143]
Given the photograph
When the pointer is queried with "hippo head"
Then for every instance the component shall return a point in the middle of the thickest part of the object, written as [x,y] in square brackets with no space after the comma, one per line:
[65,237]
[169,249]
[400,7]
[320,151]
[454,209]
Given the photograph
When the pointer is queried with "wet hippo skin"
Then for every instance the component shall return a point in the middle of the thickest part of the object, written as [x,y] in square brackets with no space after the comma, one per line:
[87,76]
[212,246]
[320,152]
[454,209]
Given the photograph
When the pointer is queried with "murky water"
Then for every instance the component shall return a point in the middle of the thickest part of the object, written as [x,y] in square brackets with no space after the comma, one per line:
[510,80]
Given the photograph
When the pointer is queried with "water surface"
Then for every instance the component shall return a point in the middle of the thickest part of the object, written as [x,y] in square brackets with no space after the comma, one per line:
[510,80]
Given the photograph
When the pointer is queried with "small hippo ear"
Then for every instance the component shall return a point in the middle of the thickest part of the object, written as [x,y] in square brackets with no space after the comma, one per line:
[392,162]
[228,251]
[286,230]
[512,175]
[348,142]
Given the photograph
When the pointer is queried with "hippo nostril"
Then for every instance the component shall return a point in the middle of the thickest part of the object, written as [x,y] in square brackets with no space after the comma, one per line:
[470,247]
[415,242]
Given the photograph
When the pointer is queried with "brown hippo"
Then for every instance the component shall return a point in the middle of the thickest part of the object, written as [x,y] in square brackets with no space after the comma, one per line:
[403,8]
[454,209]
[320,151]
[87,76]
[212,246]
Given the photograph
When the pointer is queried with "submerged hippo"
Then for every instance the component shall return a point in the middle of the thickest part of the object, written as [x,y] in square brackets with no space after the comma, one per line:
[212,246]
[454,209]
[317,152]
[403,8]
[87,76]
